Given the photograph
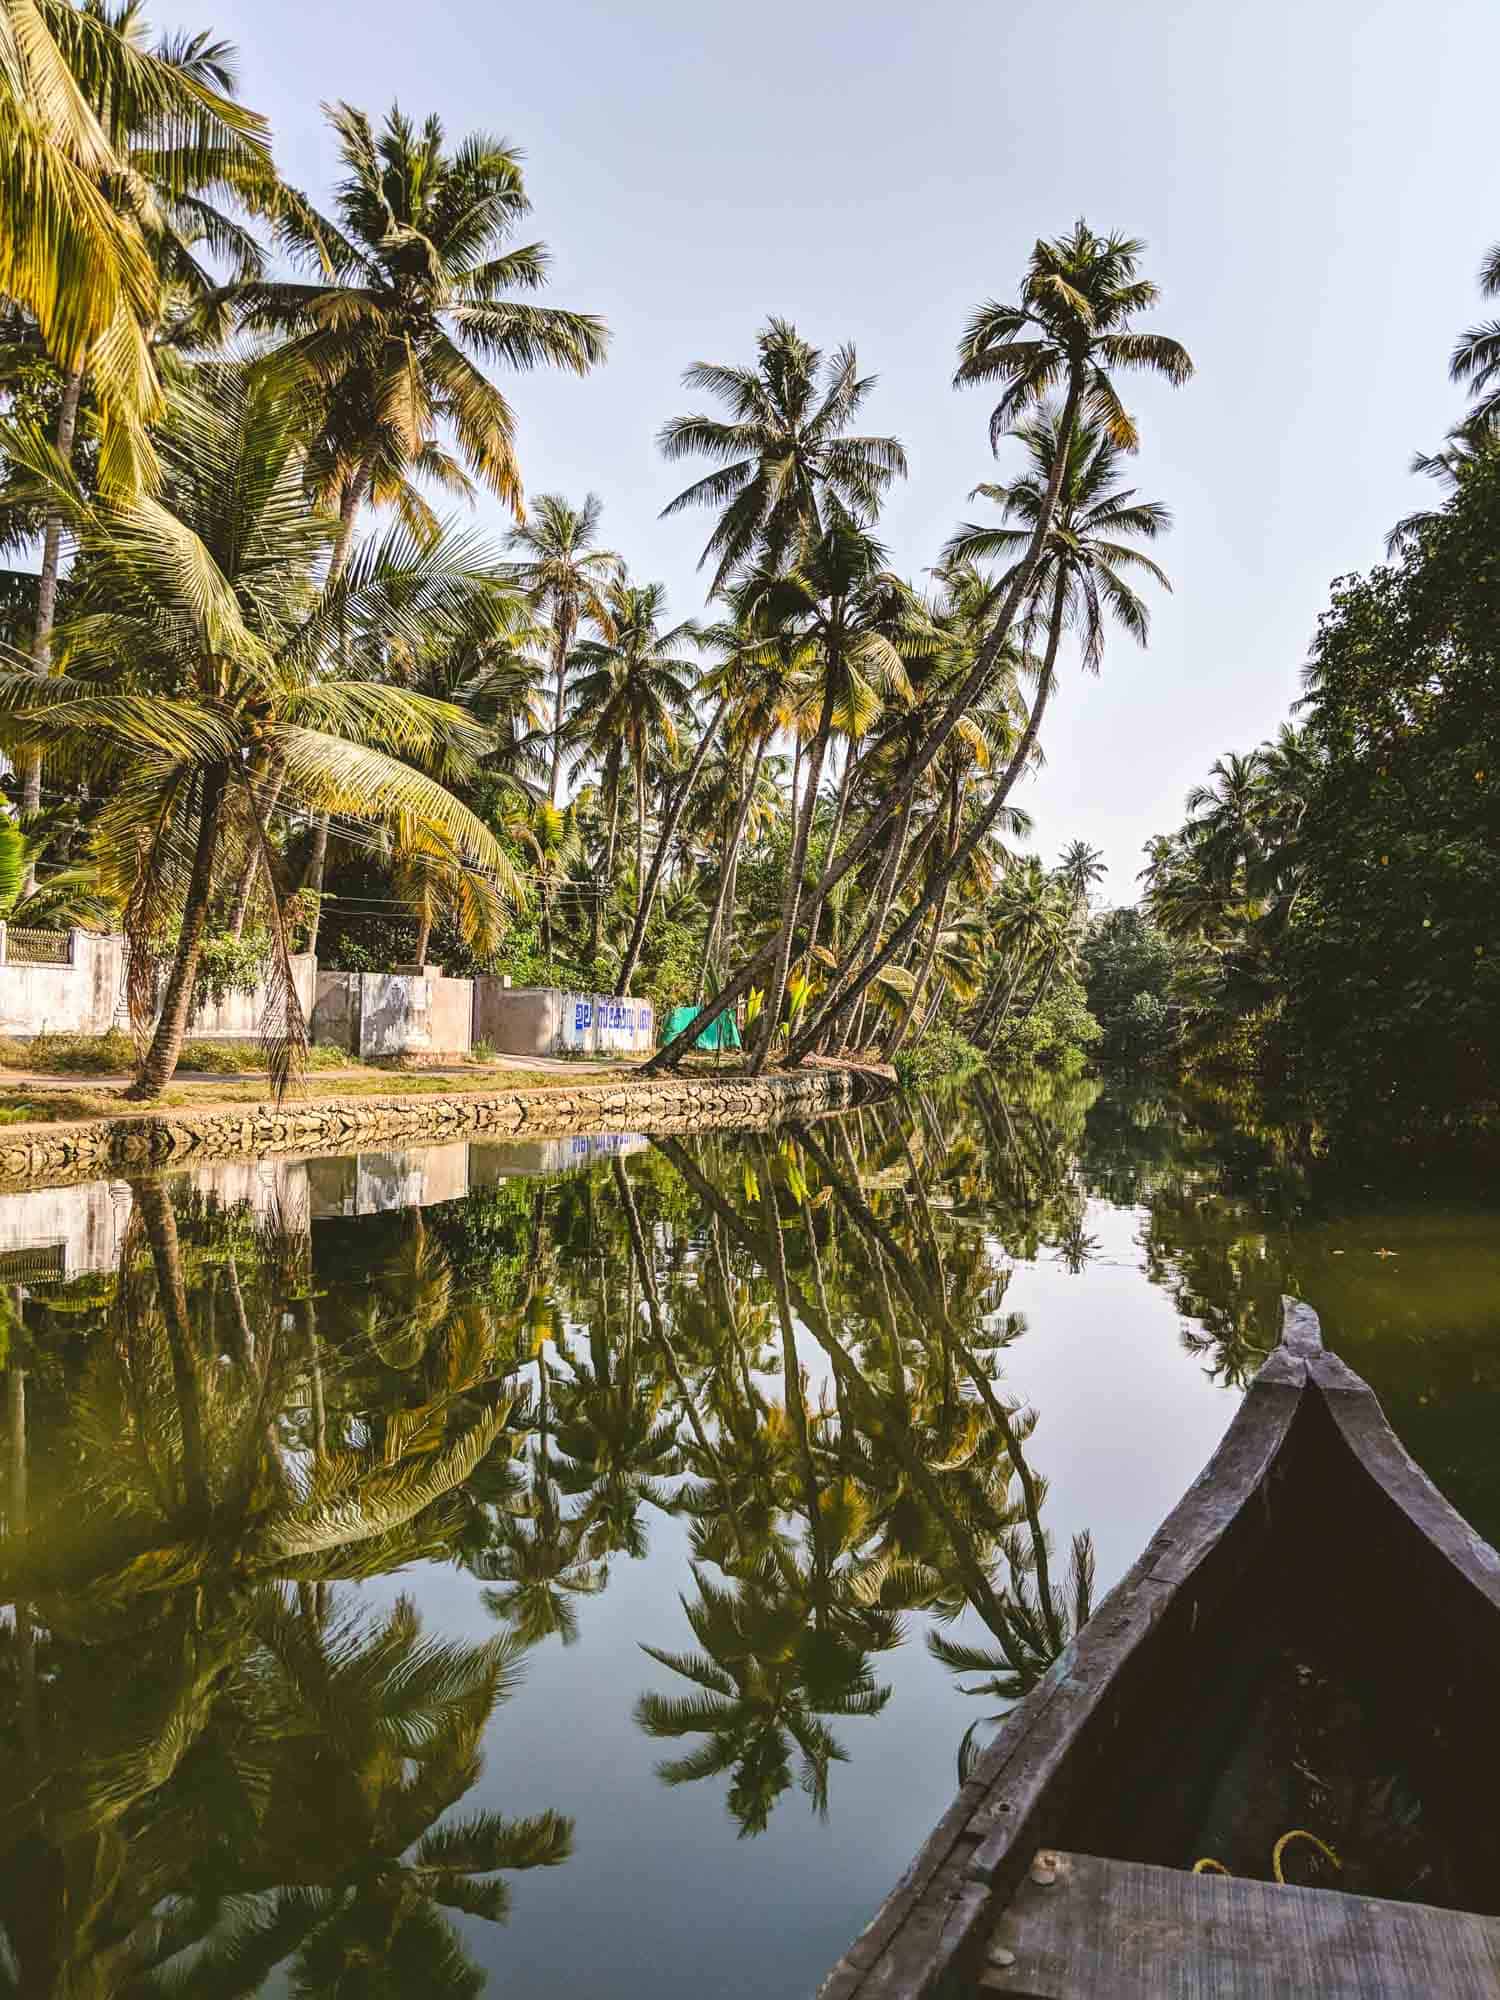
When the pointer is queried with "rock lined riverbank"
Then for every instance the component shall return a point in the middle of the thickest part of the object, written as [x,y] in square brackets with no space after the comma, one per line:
[49,1153]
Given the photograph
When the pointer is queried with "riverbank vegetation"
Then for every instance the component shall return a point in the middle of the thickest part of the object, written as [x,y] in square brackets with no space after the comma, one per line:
[264,689]
[1326,920]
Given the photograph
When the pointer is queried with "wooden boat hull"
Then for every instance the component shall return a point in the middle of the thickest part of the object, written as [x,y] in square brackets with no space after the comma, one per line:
[1312,1521]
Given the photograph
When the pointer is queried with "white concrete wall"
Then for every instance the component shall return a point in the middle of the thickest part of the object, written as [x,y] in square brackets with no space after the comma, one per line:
[394,1013]
[88,996]
[604,1024]
[545,1021]
[238,1017]
[76,999]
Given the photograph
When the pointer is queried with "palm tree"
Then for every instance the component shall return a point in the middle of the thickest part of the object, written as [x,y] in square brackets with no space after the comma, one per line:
[632,693]
[1476,358]
[787,467]
[157,110]
[197,648]
[569,579]
[1072,499]
[1084,567]
[855,618]
[1450,467]
[1071,325]
[1078,869]
[78,212]
[414,280]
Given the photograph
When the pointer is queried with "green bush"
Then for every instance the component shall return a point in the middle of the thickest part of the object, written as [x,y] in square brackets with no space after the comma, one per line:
[1057,1035]
[942,1056]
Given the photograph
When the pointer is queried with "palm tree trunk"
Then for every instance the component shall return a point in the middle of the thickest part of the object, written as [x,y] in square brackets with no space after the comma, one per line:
[837,835]
[776,991]
[914,999]
[240,908]
[613,842]
[929,955]
[1001,1012]
[46,604]
[606,887]
[424,932]
[16,1523]
[972,840]
[911,771]
[640,828]
[1044,981]
[664,841]
[171,1026]
[724,898]
[885,887]
[560,689]
[160,1220]
[350,502]
[312,877]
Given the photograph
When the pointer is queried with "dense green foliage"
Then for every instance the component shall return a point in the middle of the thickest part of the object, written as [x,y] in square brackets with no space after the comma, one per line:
[1129,966]
[1335,896]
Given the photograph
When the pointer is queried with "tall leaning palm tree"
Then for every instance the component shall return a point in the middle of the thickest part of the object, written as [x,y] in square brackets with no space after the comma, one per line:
[1070,326]
[568,579]
[199,644]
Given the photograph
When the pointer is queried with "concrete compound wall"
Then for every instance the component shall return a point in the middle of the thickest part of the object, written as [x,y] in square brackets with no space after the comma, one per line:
[239,1015]
[87,996]
[80,998]
[393,1013]
[546,1021]
[371,1014]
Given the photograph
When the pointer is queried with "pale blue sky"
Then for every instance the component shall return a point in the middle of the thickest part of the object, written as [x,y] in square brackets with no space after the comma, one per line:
[1316,181]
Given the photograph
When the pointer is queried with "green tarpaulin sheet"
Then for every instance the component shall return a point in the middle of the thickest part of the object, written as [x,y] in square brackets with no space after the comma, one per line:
[720,1034]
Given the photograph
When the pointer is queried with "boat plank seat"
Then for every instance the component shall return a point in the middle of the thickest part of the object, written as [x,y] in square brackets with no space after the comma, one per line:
[1127,1930]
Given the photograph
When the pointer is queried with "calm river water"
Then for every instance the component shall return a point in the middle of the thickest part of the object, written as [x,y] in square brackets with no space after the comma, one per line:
[574,1568]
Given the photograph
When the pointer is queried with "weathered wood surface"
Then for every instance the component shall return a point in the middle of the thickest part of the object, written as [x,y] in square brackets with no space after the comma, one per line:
[1059,1750]
[1122,1930]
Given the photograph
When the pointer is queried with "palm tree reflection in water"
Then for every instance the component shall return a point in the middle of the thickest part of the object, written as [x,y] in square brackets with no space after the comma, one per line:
[222,1762]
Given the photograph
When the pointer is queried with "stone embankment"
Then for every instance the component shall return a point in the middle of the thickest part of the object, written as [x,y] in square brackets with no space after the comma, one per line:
[137,1143]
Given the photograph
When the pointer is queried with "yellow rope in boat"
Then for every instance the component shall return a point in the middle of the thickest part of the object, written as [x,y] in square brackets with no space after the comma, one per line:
[1301,1833]
[1208,1866]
